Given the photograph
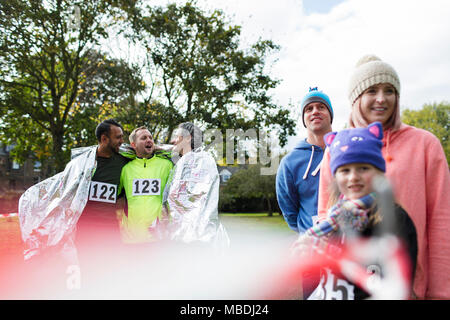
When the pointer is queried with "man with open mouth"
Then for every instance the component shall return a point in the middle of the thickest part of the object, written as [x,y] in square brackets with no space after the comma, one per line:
[143,179]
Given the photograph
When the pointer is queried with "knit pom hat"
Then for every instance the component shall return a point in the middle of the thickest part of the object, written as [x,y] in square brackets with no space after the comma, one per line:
[315,95]
[371,70]
[358,145]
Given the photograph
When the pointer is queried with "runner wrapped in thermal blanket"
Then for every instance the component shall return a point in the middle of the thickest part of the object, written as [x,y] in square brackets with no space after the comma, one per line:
[48,211]
[191,197]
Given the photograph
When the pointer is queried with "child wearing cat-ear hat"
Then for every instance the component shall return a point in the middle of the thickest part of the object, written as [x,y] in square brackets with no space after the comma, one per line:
[355,161]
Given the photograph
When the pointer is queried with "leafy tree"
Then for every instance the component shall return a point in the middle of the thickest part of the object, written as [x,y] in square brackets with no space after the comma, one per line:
[55,84]
[197,71]
[435,118]
[45,49]
[249,183]
[153,115]
[108,90]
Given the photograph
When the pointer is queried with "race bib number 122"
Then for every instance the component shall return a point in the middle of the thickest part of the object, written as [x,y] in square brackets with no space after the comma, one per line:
[102,192]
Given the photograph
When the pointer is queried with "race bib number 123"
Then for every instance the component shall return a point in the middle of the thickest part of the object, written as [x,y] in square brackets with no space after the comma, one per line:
[146,187]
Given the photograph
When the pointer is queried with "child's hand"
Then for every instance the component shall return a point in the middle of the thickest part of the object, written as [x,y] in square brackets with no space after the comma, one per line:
[302,247]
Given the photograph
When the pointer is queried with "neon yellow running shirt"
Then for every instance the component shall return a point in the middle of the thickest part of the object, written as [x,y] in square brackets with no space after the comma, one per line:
[144,181]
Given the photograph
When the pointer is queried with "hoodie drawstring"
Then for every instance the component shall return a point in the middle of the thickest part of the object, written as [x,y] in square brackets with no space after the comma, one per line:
[317,168]
[309,166]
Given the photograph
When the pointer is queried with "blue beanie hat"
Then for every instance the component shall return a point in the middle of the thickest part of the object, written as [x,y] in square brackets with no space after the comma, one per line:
[358,145]
[315,95]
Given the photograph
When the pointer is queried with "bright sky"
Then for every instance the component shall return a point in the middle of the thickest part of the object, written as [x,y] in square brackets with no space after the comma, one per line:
[321,41]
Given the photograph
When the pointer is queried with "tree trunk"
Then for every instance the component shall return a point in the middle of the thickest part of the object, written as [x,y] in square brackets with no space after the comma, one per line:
[269,207]
[59,162]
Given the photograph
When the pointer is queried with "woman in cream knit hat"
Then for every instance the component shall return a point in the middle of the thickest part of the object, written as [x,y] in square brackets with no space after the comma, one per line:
[371,72]
[415,165]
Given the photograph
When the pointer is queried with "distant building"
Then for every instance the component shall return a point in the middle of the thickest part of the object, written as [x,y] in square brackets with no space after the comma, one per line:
[225,172]
[225,175]
[15,176]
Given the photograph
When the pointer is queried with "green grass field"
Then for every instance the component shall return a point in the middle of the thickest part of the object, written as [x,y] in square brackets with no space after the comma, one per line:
[237,224]
[255,221]
[256,228]
[253,235]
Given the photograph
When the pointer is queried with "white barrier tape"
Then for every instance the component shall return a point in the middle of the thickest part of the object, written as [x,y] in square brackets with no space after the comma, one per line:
[8,215]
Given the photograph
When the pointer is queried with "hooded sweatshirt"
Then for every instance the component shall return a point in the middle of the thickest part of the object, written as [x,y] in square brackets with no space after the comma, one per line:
[297,185]
[417,168]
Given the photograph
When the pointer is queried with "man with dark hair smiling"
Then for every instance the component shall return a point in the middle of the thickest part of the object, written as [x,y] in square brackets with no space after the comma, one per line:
[297,180]
[98,228]
[98,221]
[70,218]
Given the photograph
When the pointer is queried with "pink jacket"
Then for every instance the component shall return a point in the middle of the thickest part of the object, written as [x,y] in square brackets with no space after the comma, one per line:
[418,171]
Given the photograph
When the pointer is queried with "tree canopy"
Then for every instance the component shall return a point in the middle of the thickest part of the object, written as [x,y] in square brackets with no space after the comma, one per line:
[45,50]
[435,118]
[196,69]
[249,183]
[57,81]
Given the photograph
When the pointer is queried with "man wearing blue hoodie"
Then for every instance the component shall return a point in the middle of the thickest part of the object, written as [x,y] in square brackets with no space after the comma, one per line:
[297,181]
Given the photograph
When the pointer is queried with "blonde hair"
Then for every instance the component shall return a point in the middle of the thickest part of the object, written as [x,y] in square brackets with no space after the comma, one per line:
[134,133]
[335,194]
[357,119]
[370,70]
